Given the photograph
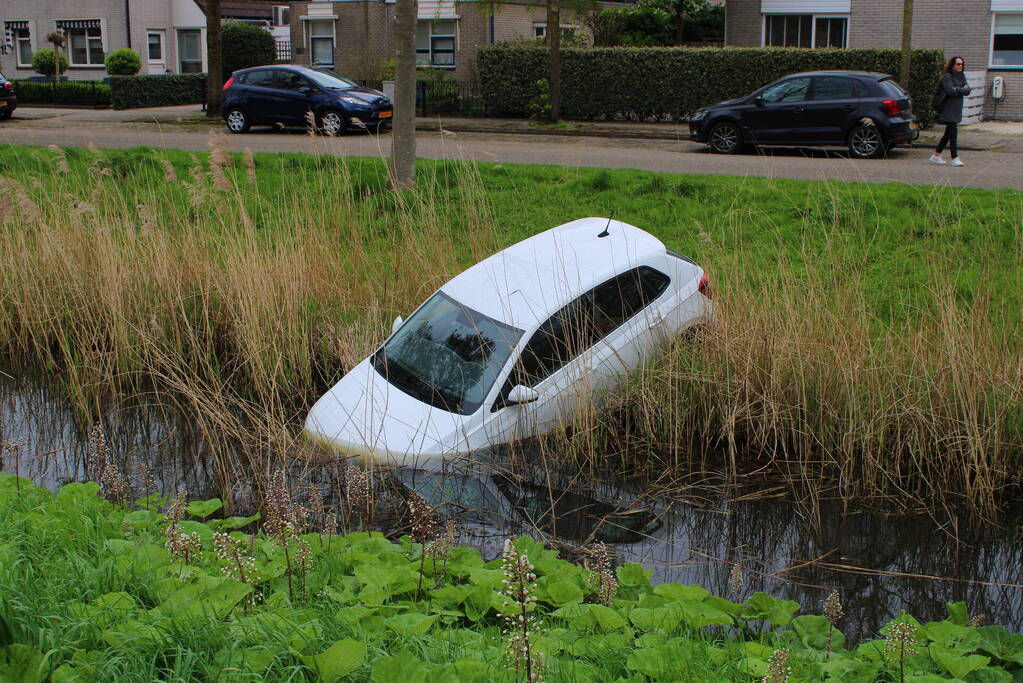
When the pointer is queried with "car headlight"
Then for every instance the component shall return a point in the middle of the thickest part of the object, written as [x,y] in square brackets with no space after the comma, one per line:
[699,115]
[352,100]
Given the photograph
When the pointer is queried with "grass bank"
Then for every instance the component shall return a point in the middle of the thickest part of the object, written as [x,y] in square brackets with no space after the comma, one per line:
[868,343]
[96,591]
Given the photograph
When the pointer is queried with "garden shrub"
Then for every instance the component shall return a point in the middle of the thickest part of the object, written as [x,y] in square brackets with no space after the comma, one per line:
[87,93]
[157,91]
[671,83]
[46,61]
[246,45]
[123,62]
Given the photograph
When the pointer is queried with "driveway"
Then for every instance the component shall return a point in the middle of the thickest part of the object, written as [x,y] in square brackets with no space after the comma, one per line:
[998,167]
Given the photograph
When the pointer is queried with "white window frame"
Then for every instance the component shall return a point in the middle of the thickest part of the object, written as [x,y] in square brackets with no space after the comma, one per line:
[991,52]
[813,26]
[432,51]
[16,40]
[89,43]
[279,12]
[310,37]
[540,29]
[162,59]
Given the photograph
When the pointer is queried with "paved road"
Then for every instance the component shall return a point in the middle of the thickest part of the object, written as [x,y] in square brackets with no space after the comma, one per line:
[987,169]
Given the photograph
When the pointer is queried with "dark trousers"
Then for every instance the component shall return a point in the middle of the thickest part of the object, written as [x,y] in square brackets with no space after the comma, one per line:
[950,138]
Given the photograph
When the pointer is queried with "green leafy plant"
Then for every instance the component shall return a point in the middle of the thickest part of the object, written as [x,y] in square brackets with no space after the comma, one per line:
[123,62]
[540,104]
[246,45]
[49,62]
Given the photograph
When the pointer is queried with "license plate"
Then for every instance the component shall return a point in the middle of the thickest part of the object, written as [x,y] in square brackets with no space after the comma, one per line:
[385,114]
[912,125]
[3,103]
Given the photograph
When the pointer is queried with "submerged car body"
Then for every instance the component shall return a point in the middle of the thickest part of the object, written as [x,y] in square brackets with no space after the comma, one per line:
[511,347]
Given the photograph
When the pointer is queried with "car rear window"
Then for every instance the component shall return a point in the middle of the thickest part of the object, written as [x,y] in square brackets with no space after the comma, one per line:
[892,89]
[263,78]
[834,88]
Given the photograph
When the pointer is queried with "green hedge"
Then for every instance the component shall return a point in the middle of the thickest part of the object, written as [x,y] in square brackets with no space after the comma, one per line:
[671,83]
[85,93]
[130,92]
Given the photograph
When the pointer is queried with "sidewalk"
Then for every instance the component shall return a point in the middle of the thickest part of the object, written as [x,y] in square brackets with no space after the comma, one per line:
[985,136]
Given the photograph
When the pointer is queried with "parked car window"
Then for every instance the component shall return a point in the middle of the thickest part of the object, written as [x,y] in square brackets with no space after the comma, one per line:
[892,89]
[792,90]
[447,355]
[264,78]
[834,88]
[330,79]
[586,321]
[289,80]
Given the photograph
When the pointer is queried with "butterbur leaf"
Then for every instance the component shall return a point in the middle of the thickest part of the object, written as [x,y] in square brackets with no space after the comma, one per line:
[337,661]
[947,635]
[813,629]
[559,593]
[411,623]
[997,642]
[652,662]
[204,508]
[991,675]
[21,664]
[957,613]
[763,606]
[403,667]
[253,661]
[696,614]
[231,523]
[957,664]
[676,591]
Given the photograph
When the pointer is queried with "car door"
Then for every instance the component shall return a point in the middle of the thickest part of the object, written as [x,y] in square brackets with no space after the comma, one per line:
[779,113]
[833,101]
[259,95]
[292,101]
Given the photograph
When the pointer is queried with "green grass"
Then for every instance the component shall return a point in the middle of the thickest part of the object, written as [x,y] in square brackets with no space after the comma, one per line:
[867,340]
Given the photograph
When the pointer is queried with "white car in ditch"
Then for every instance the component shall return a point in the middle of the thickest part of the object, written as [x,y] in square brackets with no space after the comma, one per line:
[511,347]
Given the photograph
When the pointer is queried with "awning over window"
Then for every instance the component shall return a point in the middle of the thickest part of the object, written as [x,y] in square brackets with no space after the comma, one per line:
[77,23]
[805,6]
[15,25]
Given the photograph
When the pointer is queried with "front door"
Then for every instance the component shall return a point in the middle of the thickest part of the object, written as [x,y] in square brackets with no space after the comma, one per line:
[156,47]
[189,51]
[782,112]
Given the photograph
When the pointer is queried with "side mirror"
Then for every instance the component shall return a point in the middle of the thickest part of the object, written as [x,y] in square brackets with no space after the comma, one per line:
[396,324]
[306,90]
[521,394]
[758,100]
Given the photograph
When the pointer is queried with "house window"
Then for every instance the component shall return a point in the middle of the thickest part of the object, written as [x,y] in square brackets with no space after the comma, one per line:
[19,37]
[190,50]
[85,41]
[805,30]
[155,42]
[568,31]
[1007,40]
[435,43]
[281,15]
[321,42]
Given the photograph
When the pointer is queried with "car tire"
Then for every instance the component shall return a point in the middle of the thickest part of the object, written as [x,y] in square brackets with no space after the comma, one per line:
[6,114]
[332,123]
[725,138]
[866,141]
[237,121]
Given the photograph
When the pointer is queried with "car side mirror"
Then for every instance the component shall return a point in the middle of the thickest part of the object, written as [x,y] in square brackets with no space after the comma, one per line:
[758,100]
[521,394]
[306,90]
[396,324]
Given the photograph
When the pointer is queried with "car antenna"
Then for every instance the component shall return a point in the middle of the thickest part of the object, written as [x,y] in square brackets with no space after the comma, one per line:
[605,233]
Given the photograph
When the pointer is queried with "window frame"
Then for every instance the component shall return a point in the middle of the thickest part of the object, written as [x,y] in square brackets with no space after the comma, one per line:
[281,15]
[567,30]
[432,50]
[991,51]
[17,40]
[813,29]
[183,32]
[162,59]
[70,32]
[313,38]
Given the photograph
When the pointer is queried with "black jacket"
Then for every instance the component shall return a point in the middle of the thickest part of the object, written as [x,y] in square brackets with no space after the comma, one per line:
[954,86]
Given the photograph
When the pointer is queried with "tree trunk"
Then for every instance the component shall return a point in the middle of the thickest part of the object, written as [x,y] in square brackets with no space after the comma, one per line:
[214,60]
[680,22]
[907,41]
[554,45]
[403,135]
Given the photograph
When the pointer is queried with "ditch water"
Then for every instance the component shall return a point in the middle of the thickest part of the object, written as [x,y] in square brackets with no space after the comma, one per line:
[879,564]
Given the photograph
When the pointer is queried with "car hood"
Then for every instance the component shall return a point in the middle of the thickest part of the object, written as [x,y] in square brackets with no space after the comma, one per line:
[368,95]
[727,103]
[365,416]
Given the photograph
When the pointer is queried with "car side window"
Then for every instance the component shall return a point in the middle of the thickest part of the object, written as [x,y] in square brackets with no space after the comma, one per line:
[792,90]
[833,88]
[262,79]
[586,321]
[289,80]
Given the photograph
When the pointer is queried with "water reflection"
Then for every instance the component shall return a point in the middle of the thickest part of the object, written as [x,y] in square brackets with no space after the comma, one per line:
[879,565]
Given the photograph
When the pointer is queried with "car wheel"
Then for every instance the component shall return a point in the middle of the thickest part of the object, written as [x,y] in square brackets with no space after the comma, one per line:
[237,121]
[332,123]
[6,114]
[725,138]
[866,141]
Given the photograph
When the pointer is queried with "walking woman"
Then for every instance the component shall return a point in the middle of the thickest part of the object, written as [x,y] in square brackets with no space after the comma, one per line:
[949,95]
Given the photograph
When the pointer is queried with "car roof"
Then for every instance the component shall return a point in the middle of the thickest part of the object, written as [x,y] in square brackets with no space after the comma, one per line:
[528,282]
[872,75]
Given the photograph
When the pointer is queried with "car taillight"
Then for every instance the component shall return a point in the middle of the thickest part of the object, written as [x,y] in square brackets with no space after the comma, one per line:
[229,83]
[8,86]
[704,287]
[891,107]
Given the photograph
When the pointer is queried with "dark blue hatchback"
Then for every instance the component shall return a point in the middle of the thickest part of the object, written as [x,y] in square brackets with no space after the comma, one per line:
[285,95]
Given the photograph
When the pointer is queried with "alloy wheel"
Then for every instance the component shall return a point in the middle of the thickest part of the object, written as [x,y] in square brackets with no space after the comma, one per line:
[724,138]
[865,142]
[236,121]
[332,123]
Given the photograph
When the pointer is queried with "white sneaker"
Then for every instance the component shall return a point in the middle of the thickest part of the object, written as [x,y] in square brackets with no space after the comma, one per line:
[957,162]
[935,159]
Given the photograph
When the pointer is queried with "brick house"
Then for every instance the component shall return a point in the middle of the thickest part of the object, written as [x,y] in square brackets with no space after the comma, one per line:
[355,37]
[169,35]
[988,34]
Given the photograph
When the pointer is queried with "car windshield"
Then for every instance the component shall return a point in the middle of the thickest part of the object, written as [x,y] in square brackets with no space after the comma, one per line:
[447,355]
[325,78]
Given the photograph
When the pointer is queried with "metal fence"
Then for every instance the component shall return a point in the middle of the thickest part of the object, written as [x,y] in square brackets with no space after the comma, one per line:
[456,98]
[283,51]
